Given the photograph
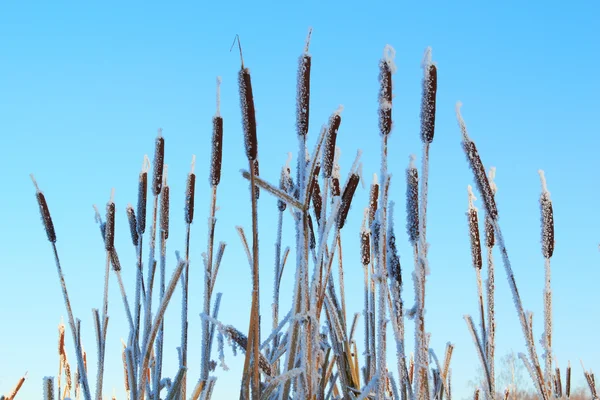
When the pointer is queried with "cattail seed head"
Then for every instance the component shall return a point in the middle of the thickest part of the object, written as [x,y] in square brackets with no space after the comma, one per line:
[114,260]
[48,388]
[142,197]
[303,90]
[373,198]
[217,151]
[386,69]
[474,231]
[394,267]
[190,190]
[159,157]
[490,238]
[365,248]
[317,199]
[329,151]
[248,113]
[547,219]
[347,199]
[481,179]
[45,213]
[109,240]
[132,224]
[429,98]
[335,186]
[164,211]
[412,202]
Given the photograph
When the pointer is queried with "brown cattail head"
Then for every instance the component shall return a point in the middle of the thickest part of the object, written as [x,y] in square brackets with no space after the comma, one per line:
[190,190]
[48,388]
[329,151]
[335,186]
[412,202]
[142,197]
[347,199]
[217,151]
[109,239]
[335,175]
[373,199]
[159,158]
[303,90]
[481,179]
[394,267]
[61,341]
[474,231]
[365,247]
[317,199]
[45,212]
[386,69]
[114,260]
[256,169]
[490,238]
[547,219]
[132,224]
[248,113]
[428,99]
[164,206]
[125,372]
[568,381]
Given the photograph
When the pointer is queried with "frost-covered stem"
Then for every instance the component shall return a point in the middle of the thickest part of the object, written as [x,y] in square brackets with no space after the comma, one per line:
[255,318]
[421,358]
[491,325]
[151,270]
[275,306]
[184,306]
[382,271]
[205,359]
[125,300]
[367,317]
[480,353]
[481,310]
[161,331]
[341,277]
[76,343]
[101,343]
[372,318]
[138,306]
[519,307]
[548,325]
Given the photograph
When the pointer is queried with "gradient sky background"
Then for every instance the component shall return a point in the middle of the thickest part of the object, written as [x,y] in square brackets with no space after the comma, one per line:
[83,89]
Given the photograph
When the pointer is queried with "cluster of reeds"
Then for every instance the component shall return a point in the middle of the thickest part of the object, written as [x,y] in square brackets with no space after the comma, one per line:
[311,351]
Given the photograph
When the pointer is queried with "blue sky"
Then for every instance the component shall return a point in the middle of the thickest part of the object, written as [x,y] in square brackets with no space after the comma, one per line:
[84,87]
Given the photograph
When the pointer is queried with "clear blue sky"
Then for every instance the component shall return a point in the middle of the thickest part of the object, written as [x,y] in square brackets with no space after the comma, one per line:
[84,87]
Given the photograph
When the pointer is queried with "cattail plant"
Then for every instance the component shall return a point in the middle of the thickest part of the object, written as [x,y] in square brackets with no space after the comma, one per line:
[490,241]
[547,219]
[251,147]
[303,89]
[51,234]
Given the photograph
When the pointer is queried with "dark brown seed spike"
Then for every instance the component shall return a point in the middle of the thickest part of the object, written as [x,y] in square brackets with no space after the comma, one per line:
[159,158]
[490,238]
[141,206]
[109,240]
[483,184]
[189,198]
[114,259]
[329,151]
[365,248]
[164,211]
[335,187]
[474,236]
[248,113]
[284,186]
[412,204]
[428,105]
[317,200]
[46,219]
[385,97]
[373,199]
[394,267]
[256,173]
[303,94]
[132,225]
[547,226]
[217,151]
[347,199]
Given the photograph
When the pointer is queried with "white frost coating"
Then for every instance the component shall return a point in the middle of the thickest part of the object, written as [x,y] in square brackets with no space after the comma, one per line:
[165,174]
[339,110]
[159,133]
[288,162]
[193,164]
[375,180]
[112,196]
[145,164]
[543,181]
[218,112]
[389,53]
[221,348]
[491,179]
[472,198]
[461,122]
[426,62]
[307,44]
[359,172]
